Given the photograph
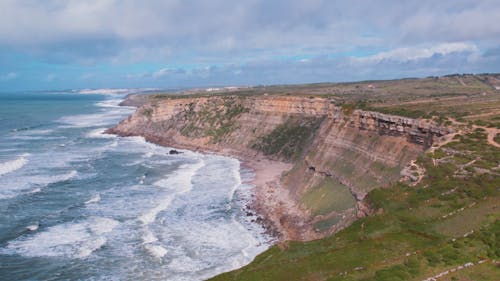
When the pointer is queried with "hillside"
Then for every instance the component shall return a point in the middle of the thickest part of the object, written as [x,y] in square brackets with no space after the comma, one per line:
[430,143]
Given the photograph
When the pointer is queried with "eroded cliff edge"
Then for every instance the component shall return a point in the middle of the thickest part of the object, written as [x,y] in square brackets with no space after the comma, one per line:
[337,154]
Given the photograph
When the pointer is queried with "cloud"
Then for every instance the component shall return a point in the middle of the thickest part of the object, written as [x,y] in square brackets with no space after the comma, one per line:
[198,42]
[166,72]
[417,53]
[453,21]
[132,30]
[400,62]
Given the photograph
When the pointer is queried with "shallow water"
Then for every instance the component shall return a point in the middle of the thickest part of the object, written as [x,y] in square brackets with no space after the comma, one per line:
[80,204]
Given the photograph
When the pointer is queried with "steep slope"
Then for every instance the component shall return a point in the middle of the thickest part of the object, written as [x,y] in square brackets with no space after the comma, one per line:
[338,154]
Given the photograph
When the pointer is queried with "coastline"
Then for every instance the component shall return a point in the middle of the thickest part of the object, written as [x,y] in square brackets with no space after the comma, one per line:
[276,211]
[266,188]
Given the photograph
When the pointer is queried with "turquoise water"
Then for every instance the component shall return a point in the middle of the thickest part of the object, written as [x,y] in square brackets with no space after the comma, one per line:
[78,204]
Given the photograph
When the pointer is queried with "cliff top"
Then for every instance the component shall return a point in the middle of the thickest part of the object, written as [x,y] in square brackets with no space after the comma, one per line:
[467,98]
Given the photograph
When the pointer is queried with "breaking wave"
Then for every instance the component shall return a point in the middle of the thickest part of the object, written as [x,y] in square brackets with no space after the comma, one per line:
[13,165]
[70,240]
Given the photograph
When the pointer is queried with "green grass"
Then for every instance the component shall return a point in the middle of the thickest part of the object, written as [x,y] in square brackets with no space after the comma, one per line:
[212,120]
[401,111]
[288,140]
[470,218]
[325,224]
[407,238]
[327,197]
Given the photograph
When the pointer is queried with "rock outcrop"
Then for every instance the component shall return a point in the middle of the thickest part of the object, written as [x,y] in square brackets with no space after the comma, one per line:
[338,154]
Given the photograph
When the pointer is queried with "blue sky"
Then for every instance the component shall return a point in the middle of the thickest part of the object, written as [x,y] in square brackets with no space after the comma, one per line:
[78,44]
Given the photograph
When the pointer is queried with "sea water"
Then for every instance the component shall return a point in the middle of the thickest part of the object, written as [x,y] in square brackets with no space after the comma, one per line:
[79,204]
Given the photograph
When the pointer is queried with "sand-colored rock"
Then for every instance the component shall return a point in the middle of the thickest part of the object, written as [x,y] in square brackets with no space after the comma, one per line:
[359,149]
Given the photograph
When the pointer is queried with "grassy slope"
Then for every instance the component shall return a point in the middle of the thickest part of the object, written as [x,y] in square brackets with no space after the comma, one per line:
[417,232]
[328,196]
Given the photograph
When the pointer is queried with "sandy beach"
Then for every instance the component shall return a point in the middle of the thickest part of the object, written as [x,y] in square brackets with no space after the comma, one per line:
[279,213]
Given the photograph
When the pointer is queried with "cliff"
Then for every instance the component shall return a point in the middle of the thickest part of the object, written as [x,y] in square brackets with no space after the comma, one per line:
[337,154]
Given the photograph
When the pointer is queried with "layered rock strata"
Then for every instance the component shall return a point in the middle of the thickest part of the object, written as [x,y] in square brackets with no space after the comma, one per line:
[338,155]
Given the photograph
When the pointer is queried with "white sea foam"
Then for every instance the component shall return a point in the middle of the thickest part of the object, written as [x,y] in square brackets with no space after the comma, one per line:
[178,182]
[148,237]
[58,178]
[99,134]
[35,137]
[71,240]
[14,185]
[123,91]
[112,103]
[105,91]
[150,216]
[40,132]
[96,198]
[156,250]
[93,120]
[109,114]
[236,175]
[13,165]
[186,264]
[33,227]
[36,190]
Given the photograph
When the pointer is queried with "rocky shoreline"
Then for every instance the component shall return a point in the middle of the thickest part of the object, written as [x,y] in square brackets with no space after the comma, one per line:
[270,203]
[300,148]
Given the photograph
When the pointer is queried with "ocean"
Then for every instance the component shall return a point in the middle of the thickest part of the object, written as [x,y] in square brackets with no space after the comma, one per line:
[78,204]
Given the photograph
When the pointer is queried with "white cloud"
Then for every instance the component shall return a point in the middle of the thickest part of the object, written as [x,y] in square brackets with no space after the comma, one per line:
[162,73]
[417,53]
[250,41]
[130,31]
[458,20]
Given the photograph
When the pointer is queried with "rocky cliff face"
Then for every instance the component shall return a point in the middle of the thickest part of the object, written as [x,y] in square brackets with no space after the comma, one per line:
[338,154]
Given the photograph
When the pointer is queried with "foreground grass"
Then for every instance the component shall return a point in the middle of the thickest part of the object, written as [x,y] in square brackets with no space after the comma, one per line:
[447,220]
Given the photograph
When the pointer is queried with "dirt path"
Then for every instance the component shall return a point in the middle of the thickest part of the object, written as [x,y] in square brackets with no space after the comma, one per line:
[492,132]
[444,140]
[491,113]
[421,101]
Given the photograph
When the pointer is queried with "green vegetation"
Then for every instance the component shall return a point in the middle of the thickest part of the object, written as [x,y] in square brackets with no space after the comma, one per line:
[363,172]
[288,140]
[325,224]
[349,107]
[328,196]
[401,112]
[448,219]
[212,120]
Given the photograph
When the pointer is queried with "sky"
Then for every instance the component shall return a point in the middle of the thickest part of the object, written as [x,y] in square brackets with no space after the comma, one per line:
[77,44]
